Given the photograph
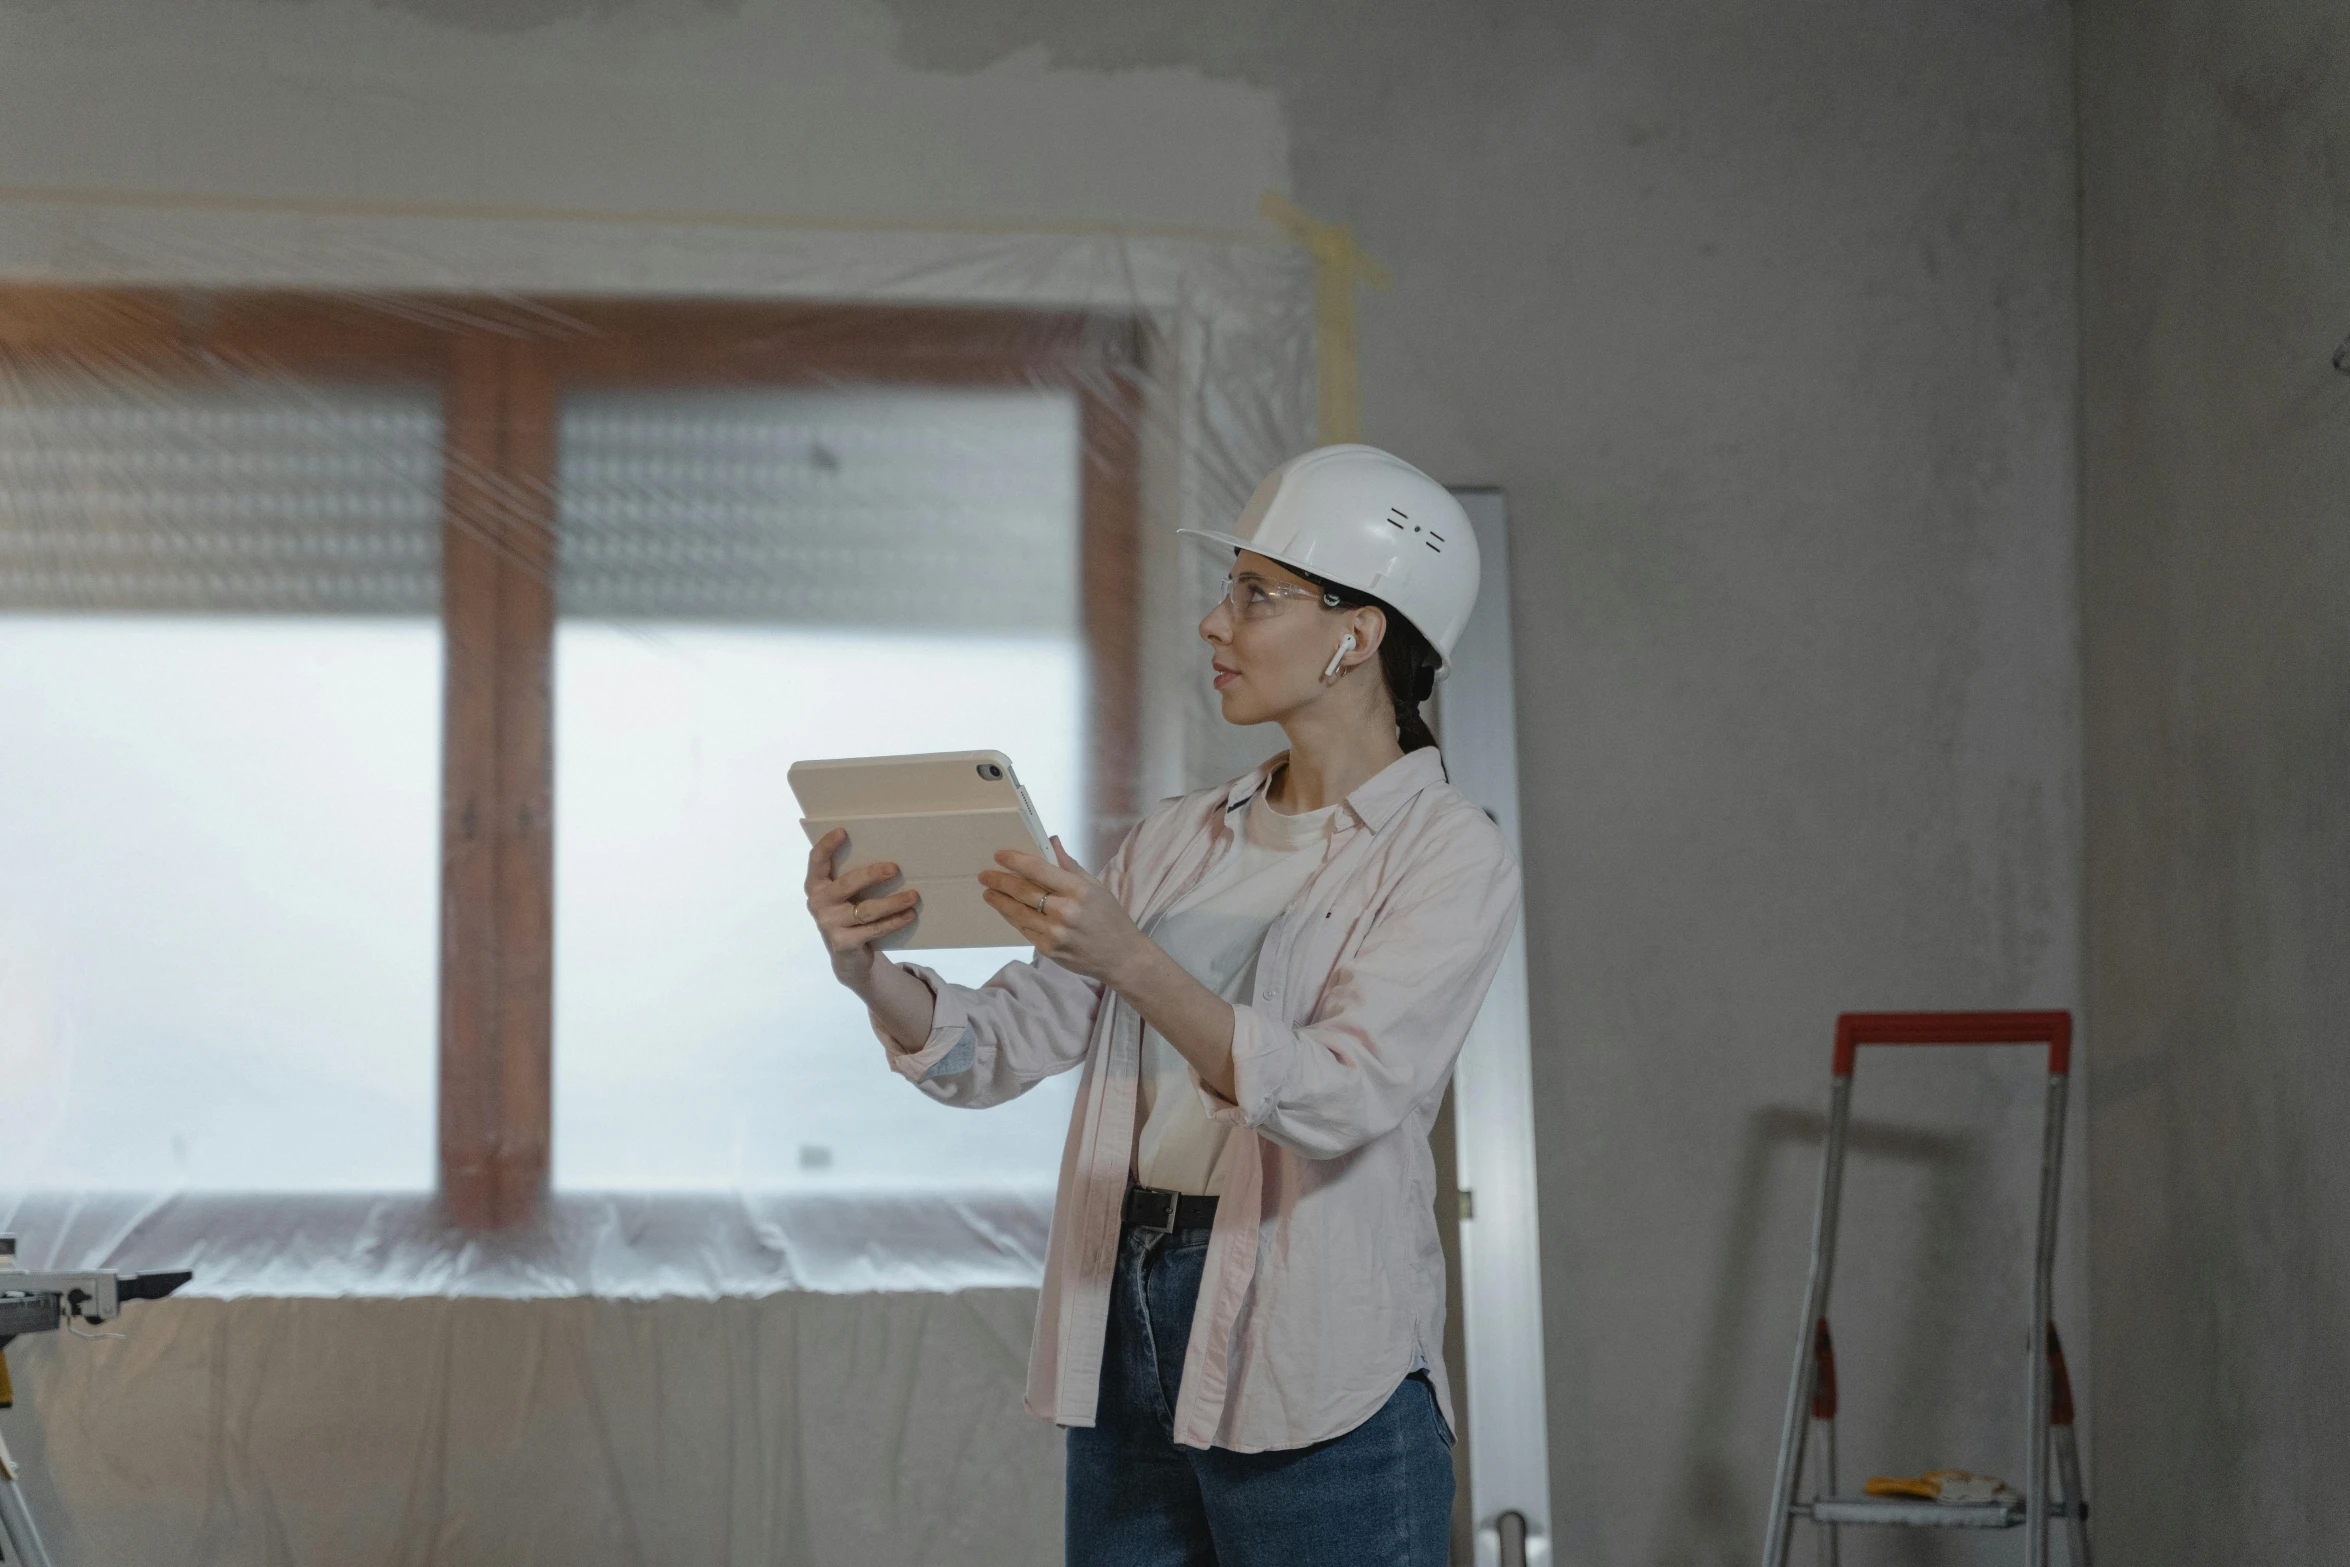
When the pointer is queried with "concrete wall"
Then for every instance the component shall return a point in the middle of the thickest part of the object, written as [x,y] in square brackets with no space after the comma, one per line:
[1762,316]
[605,105]
[2216,562]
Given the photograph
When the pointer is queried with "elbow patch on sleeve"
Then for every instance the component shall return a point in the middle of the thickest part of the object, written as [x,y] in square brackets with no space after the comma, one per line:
[958,1058]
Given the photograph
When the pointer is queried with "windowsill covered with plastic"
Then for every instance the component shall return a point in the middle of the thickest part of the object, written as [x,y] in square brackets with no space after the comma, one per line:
[610,1244]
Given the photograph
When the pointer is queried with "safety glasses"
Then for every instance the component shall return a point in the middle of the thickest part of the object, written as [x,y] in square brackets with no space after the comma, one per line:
[1251,597]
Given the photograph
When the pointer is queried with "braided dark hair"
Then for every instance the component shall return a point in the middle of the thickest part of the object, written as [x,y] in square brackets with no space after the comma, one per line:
[1405,658]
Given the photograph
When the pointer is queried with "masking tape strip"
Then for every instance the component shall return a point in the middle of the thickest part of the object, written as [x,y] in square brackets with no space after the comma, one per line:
[1339,264]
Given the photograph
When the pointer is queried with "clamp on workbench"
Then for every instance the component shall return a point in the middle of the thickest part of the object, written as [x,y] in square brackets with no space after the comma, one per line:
[37,1301]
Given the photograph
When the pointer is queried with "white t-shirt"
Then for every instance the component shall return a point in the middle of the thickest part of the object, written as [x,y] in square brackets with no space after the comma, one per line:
[1216,933]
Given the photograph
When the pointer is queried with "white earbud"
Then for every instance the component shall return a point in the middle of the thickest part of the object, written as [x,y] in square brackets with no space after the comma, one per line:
[1339,657]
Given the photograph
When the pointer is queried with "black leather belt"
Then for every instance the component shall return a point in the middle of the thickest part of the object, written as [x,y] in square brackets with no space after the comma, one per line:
[1148,1208]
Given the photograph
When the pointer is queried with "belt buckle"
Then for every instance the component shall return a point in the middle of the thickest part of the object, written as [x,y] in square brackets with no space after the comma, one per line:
[1165,1226]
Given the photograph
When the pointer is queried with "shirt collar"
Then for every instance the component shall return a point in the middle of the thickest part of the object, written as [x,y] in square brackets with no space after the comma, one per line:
[1374,801]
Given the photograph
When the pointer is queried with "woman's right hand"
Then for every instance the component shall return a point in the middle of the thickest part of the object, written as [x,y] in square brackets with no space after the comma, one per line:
[852,924]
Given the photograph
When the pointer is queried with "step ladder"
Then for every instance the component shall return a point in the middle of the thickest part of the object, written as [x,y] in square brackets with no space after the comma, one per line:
[1811,1393]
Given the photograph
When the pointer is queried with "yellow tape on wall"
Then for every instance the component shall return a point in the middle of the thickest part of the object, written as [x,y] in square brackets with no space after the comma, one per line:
[1339,264]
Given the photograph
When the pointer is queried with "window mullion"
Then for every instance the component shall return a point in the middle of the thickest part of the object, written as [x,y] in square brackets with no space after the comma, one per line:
[469,1053]
[498,594]
[1109,571]
[526,784]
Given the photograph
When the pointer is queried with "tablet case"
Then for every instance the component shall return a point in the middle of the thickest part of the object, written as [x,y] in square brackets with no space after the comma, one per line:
[940,818]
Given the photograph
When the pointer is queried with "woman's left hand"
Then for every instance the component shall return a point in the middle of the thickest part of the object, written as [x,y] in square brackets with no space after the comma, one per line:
[1079,924]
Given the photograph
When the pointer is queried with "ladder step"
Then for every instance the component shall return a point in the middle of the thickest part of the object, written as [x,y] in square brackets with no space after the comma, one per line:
[1903,1513]
[1900,1512]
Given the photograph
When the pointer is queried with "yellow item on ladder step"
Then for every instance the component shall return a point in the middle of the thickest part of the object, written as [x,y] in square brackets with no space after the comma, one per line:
[7,1388]
[1942,1485]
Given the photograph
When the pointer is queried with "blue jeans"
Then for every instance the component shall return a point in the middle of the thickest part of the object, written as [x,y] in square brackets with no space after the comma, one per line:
[1379,1496]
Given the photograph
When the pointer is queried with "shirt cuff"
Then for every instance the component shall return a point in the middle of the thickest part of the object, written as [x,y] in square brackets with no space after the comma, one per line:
[1261,1059]
[950,1045]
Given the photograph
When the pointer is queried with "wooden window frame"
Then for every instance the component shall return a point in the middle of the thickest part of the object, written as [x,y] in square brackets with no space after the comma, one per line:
[502,366]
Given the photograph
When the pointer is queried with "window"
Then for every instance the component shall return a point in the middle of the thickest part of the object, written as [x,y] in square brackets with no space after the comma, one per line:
[751,577]
[377,671]
[219,690]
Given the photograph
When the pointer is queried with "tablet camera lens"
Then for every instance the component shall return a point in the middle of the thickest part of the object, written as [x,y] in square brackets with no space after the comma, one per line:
[990,771]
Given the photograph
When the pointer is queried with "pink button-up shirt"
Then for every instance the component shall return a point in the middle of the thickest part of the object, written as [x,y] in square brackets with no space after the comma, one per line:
[1324,1281]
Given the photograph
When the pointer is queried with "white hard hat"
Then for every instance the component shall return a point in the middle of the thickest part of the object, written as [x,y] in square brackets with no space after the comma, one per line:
[1367,520]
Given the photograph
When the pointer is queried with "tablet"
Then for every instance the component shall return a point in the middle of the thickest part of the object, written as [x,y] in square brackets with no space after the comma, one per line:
[940,819]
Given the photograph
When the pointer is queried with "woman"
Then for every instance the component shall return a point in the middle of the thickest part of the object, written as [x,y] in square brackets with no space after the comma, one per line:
[1242,1320]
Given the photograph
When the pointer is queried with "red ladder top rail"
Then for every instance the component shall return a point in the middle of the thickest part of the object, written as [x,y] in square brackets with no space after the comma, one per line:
[2053,1029]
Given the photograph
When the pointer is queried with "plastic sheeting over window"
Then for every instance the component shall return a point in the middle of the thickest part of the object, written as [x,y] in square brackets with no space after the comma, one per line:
[910,512]
[763,577]
[218,805]
[216,922]
[249,494]
[447,641]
